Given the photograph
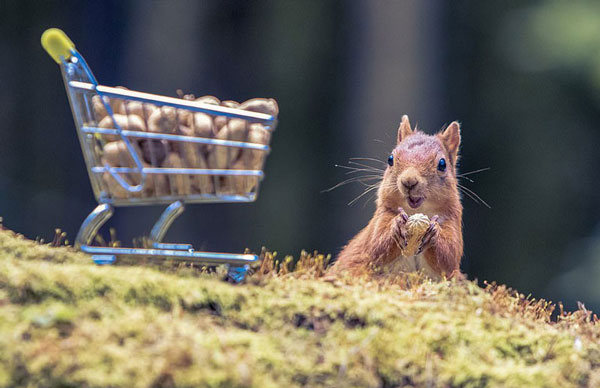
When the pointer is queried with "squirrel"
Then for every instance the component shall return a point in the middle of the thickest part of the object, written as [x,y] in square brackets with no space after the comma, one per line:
[420,178]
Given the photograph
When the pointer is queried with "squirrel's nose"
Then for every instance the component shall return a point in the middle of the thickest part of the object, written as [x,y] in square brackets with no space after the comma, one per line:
[409,182]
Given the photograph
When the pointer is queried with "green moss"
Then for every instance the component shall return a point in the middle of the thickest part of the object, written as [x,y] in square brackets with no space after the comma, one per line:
[65,322]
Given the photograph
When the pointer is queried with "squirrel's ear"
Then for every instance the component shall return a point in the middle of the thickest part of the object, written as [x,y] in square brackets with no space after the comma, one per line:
[404,129]
[450,137]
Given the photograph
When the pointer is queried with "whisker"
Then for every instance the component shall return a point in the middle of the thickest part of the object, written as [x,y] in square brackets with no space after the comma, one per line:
[370,160]
[369,199]
[354,169]
[470,196]
[374,186]
[380,173]
[351,180]
[473,172]
[365,165]
[467,190]
[361,195]
[466,178]
[387,185]
[369,185]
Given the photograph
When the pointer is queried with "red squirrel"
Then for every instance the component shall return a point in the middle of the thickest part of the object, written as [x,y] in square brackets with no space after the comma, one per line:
[420,178]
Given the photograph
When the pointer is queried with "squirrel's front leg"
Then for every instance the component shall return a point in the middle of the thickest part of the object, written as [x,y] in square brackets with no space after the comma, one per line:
[442,247]
[389,235]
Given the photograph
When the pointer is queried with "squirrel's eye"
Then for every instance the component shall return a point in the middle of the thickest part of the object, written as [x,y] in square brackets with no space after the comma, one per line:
[442,164]
[391,160]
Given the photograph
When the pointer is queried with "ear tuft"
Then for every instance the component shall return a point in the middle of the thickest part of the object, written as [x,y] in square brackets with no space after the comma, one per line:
[450,137]
[404,129]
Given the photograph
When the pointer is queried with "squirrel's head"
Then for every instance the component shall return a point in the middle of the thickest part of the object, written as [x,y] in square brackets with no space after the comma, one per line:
[421,176]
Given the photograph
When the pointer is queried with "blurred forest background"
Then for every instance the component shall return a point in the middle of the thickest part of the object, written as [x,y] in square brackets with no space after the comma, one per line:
[522,77]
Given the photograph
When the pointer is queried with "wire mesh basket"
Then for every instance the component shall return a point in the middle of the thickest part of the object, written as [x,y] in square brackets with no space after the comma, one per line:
[146,149]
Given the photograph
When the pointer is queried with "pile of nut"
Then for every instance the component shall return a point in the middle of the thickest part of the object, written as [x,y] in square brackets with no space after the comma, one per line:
[144,117]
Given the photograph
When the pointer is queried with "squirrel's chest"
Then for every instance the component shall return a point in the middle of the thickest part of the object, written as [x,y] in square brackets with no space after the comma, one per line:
[415,263]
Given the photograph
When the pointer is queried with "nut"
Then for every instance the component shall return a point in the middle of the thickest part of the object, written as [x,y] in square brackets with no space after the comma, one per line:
[416,226]
[219,156]
[154,152]
[203,125]
[131,123]
[179,183]
[163,120]
[192,157]
[261,105]
[240,184]
[117,106]
[253,159]
[141,109]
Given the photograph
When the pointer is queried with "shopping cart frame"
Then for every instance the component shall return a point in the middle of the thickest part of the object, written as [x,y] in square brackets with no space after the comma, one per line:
[80,83]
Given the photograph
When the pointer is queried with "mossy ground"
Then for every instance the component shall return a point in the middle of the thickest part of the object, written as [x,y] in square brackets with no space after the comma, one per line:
[65,322]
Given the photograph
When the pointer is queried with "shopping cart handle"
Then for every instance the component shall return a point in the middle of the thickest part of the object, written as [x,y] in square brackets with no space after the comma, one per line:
[57,44]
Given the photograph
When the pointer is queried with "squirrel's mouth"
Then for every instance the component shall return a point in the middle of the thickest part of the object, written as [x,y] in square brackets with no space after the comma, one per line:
[415,202]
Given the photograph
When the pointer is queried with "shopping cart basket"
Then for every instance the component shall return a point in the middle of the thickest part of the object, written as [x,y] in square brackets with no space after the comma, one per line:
[146,149]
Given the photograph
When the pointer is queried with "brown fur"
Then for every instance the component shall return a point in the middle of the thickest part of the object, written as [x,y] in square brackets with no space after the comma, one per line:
[416,158]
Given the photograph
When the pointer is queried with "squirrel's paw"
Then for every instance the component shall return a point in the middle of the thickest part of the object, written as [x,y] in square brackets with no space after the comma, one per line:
[431,235]
[399,228]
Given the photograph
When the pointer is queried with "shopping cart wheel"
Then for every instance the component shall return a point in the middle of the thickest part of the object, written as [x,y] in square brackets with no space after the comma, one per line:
[104,259]
[237,274]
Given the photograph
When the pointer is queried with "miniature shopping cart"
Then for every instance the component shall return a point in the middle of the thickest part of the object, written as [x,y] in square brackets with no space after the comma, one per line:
[152,167]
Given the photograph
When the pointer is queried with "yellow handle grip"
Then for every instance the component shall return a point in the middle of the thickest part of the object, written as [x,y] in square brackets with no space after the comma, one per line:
[57,44]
